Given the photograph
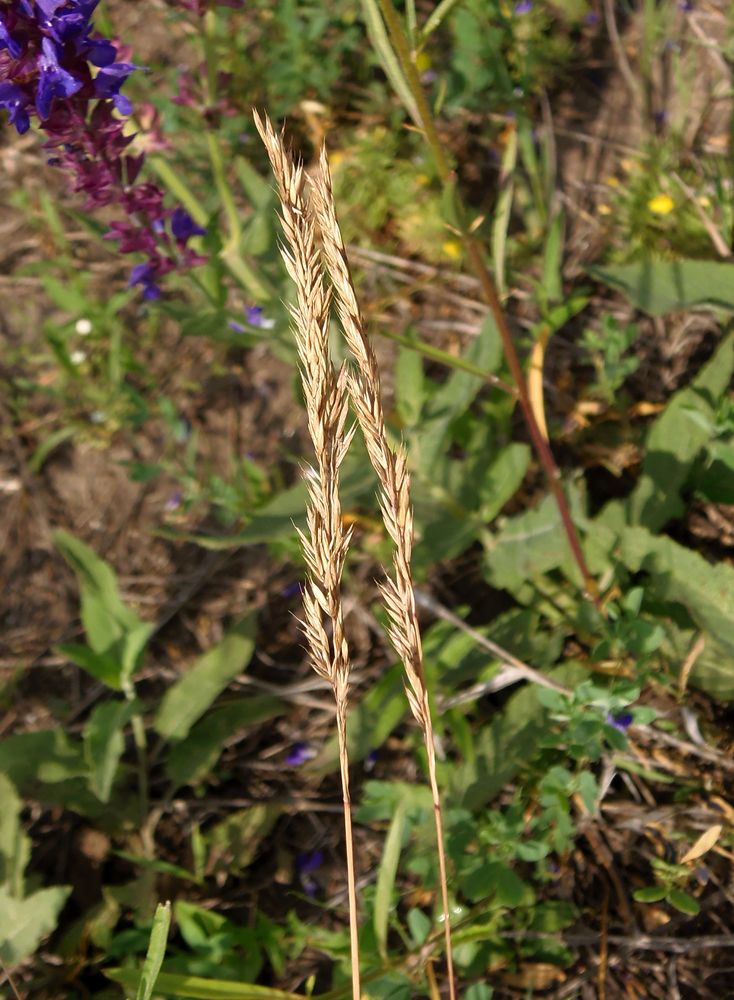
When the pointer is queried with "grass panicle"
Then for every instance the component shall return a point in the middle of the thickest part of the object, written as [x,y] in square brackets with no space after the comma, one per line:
[391,467]
[326,542]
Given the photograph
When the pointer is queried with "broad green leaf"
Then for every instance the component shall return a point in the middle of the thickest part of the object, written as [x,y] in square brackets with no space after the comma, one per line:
[493,879]
[679,574]
[259,192]
[683,902]
[453,398]
[392,986]
[184,703]
[369,724]
[47,766]
[503,478]
[104,667]
[716,479]
[112,628]
[675,440]
[156,952]
[529,544]
[196,988]
[419,925]
[233,843]
[15,846]
[409,385]
[104,744]
[24,923]
[189,761]
[660,286]
[479,991]
[386,876]
[650,894]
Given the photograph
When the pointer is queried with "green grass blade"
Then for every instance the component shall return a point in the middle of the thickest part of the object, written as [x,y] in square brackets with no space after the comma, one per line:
[156,952]
[386,876]
[198,988]
[388,60]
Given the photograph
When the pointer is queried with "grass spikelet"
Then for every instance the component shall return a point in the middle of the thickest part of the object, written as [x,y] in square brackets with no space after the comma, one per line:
[326,541]
[392,471]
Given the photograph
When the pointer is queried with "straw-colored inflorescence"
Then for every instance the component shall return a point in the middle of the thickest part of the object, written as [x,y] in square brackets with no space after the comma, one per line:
[326,543]
[390,464]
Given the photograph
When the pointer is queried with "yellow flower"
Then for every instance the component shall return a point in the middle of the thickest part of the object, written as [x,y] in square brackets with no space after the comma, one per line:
[604,209]
[661,204]
[422,62]
[452,249]
[613,182]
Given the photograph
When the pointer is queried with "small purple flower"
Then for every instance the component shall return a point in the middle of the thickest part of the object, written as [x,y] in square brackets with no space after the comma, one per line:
[523,7]
[306,865]
[144,275]
[183,226]
[53,81]
[591,18]
[255,316]
[299,754]
[292,590]
[620,720]
[370,760]
[107,84]
[174,501]
[15,102]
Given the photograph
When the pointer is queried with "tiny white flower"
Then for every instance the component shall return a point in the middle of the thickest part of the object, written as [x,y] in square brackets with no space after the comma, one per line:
[78,357]
[83,327]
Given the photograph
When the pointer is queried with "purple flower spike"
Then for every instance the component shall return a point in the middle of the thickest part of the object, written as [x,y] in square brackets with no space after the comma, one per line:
[299,754]
[620,720]
[523,7]
[55,68]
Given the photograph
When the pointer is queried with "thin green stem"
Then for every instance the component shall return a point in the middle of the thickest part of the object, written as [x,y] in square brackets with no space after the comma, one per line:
[444,358]
[476,259]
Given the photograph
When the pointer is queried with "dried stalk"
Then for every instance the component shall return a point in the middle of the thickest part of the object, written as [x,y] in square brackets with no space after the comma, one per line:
[391,468]
[325,546]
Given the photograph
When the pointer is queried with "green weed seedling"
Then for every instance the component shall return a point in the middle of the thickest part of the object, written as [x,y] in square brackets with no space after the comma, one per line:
[607,350]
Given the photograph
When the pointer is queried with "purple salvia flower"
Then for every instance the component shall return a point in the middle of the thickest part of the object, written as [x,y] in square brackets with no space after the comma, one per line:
[54,80]
[15,101]
[47,51]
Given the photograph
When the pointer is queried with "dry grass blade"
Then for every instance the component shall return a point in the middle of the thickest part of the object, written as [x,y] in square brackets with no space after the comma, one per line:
[391,468]
[326,543]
